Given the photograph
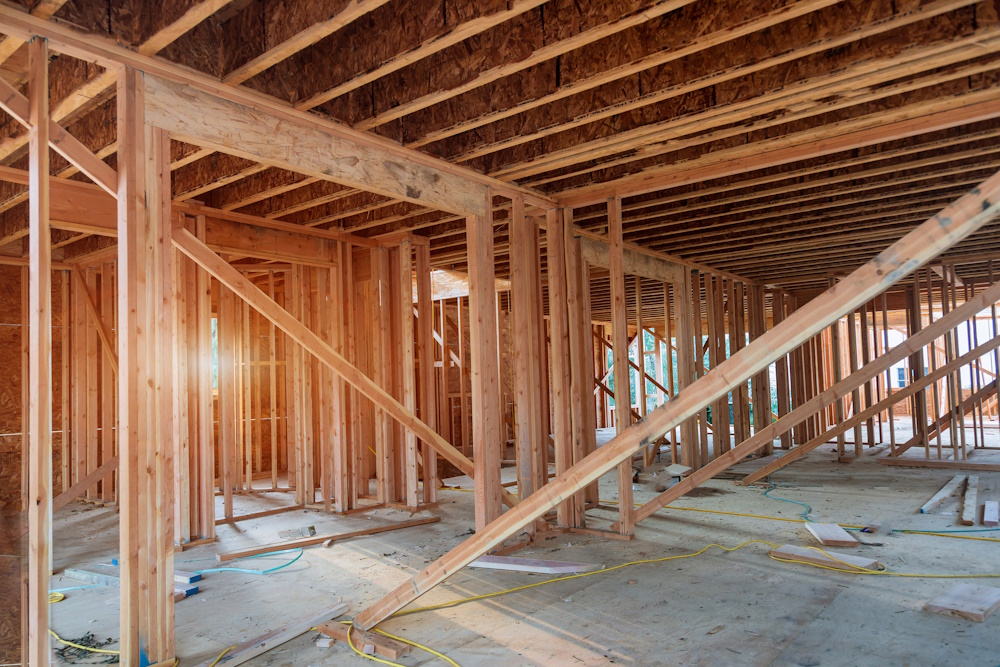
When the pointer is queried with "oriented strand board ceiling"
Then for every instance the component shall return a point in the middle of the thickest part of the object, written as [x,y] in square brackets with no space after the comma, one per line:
[781,140]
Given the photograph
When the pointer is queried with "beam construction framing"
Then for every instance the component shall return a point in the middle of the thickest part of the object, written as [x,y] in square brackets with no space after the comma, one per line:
[948,227]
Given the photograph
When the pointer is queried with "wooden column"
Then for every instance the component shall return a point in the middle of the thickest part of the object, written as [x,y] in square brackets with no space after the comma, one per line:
[428,397]
[486,415]
[206,407]
[581,342]
[838,375]
[690,454]
[145,392]
[107,382]
[555,233]
[38,652]
[619,351]
[528,435]
[408,369]
[762,380]
[781,374]
[640,347]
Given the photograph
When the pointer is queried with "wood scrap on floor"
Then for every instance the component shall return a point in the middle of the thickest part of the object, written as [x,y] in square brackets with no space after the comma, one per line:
[832,559]
[831,535]
[946,491]
[390,649]
[970,601]
[991,513]
[677,470]
[970,504]
[326,540]
[265,643]
[533,565]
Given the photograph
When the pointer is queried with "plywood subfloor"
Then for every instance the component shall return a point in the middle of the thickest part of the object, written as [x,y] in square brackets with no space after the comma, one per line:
[719,608]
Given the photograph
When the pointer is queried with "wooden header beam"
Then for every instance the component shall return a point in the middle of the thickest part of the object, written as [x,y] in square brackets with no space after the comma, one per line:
[83,207]
[211,121]
[948,227]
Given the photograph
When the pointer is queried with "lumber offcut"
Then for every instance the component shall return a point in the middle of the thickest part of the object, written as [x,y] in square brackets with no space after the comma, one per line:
[971,502]
[533,565]
[969,601]
[264,643]
[831,535]
[946,491]
[383,646]
[320,539]
[991,513]
[825,558]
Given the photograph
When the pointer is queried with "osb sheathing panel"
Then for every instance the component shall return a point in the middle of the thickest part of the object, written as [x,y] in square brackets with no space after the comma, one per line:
[65,75]
[11,397]
[509,43]
[198,48]
[664,33]
[400,26]
[792,169]
[940,30]
[304,195]
[263,181]
[893,102]
[246,35]
[112,19]
[209,169]
[10,600]
[810,30]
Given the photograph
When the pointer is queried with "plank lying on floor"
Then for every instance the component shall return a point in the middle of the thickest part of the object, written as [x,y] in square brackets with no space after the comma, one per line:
[970,504]
[533,565]
[969,601]
[389,649]
[320,539]
[946,491]
[831,535]
[264,643]
[816,557]
[991,513]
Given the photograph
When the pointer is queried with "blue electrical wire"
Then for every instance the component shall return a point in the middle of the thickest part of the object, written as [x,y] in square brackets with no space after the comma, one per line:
[249,571]
[805,514]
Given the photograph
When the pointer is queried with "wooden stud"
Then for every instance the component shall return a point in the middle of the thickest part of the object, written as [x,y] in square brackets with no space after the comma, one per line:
[39,423]
[619,351]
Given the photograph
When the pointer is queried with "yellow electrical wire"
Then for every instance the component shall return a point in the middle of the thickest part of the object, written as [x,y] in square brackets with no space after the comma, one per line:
[219,657]
[580,575]
[420,646]
[769,518]
[55,596]
[350,643]
[84,648]
[848,568]
[354,648]
[955,537]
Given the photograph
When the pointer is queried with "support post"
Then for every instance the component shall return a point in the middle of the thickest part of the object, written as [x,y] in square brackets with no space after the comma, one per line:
[619,351]
[39,426]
